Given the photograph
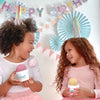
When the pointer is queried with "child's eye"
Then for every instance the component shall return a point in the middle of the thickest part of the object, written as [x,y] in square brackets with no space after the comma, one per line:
[69,50]
[31,42]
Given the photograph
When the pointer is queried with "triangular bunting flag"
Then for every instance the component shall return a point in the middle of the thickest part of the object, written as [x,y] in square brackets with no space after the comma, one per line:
[51,52]
[44,49]
[57,56]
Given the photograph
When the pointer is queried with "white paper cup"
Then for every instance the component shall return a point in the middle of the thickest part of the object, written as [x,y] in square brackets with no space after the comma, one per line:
[22,75]
[71,88]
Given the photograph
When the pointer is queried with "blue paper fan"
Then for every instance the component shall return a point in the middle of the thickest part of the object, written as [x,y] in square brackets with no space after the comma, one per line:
[1,1]
[37,35]
[65,25]
[56,43]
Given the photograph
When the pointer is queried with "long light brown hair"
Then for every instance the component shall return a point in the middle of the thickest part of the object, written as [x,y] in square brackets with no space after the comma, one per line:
[84,48]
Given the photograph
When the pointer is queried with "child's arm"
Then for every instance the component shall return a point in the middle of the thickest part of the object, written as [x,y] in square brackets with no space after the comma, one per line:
[4,88]
[35,86]
[97,82]
[97,93]
[66,93]
[64,89]
[84,92]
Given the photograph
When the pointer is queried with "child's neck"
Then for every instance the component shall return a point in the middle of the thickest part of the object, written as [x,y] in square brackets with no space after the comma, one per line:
[14,58]
[80,63]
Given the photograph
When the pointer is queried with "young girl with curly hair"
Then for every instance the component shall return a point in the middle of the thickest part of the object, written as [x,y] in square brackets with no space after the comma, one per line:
[78,60]
[16,43]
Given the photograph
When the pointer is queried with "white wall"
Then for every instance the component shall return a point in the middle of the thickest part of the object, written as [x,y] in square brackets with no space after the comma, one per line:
[48,64]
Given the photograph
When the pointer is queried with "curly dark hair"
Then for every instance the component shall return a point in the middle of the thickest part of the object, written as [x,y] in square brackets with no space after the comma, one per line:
[14,34]
[84,48]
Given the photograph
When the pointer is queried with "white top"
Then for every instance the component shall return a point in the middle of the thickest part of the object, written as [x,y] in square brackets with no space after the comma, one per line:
[7,67]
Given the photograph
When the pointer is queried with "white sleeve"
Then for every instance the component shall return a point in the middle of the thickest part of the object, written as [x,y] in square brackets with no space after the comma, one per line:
[65,81]
[35,72]
[97,84]
[64,84]
[97,93]
[0,79]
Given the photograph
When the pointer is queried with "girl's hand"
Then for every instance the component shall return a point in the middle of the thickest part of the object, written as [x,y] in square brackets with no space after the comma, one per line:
[67,93]
[28,82]
[83,93]
[12,79]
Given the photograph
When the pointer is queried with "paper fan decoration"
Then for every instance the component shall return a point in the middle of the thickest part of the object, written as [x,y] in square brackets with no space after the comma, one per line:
[56,43]
[37,35]
[1,1]
[65,25]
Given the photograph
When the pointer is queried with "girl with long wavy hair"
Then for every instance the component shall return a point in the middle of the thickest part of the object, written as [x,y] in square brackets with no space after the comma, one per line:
[78,60]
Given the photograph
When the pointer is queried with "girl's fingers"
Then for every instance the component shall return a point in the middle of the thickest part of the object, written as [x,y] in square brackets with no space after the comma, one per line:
[25,84]
[69,94]
[16,82]
[13,74]
[31,81]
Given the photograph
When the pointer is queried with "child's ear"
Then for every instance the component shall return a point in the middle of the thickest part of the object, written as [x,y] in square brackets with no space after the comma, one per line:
[13,46]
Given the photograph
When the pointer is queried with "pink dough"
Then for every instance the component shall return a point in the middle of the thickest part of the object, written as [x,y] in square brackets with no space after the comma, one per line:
[20,67]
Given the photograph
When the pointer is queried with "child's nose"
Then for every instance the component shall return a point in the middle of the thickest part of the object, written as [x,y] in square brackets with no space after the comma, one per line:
[67,54]
[32,47]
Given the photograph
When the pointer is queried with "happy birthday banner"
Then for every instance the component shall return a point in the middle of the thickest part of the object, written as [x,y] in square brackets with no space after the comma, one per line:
[69,6]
